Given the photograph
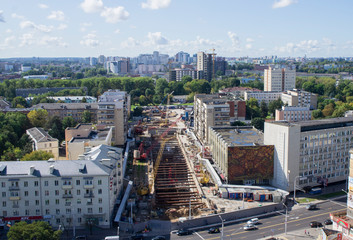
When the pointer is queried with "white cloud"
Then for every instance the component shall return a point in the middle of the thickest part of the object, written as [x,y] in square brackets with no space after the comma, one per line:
[117,31]
[57,15]
[27,39]
[8,31]
[8,43]
[14,15]
[249,40]
[305,46]
[40,27]
[2,19]
[283,3]
[130,43]
[62,26]
[52,41]
[92,6]
[328,44]
[156,38]
[43,6]
[248,46]
[90,40]
[156,4]
[234,39]
[114,15]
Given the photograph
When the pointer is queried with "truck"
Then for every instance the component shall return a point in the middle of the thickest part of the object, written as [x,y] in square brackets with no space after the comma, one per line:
[315,191]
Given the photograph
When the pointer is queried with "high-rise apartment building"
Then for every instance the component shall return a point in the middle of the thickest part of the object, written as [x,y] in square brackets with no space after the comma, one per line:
[205,66]
[114,110]
[299,98]
[310,153]
[279,80]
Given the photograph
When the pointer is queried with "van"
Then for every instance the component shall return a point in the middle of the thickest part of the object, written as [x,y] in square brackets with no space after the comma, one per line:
[111,238]
[253,221]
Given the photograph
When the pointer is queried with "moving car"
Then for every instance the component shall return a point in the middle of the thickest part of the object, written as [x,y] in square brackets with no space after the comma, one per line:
[311,207]
[214,230]
[249,227]
[315,224]
[183,232]
[253,221]
[328,222]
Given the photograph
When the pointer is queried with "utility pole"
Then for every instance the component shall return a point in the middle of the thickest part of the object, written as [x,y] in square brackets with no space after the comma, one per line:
[189,208]
[222,234]
[285,222]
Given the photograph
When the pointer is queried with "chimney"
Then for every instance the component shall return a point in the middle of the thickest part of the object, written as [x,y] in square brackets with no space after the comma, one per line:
[51,169]
[31,170]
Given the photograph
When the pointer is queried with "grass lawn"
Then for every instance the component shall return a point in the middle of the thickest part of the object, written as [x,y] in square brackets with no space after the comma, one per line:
[320,197]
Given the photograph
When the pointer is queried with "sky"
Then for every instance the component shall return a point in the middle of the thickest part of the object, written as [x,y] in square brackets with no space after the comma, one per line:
[127,28]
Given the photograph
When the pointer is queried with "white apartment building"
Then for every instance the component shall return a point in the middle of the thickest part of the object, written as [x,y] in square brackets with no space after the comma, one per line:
[300,98]
[293,114]
[67,192]
[43,141]
[114,108]
[267,97]
[279,80]
[209,110]
[310,152]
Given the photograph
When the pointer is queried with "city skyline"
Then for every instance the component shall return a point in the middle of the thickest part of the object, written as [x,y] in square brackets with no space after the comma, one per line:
[234,28]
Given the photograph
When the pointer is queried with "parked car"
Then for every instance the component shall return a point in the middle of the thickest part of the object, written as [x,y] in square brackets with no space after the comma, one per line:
[137,237]
[253,221]
[214,230]
[328,222]
[82,237]
[183,232]
[159,238]
[315,224]
[249,227]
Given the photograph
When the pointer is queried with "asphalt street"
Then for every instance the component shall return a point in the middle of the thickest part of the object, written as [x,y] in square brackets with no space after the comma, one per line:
[298,218]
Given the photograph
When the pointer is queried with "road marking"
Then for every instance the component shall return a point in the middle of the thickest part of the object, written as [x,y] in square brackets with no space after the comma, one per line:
[297,224]
[199,235]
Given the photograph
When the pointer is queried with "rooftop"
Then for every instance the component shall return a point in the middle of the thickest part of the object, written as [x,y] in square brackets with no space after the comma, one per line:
[240,136]
[86,132]
[73,106]
[39,135]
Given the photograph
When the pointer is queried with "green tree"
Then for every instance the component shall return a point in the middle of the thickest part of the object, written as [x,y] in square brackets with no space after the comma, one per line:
[39,230]
[238,123]
[86,116]
[38,117]
[19,101]
[37,155]
[258,123]
[264,109]
[273,105]
[161,84]
[137,111]
[68,122]
[316,114]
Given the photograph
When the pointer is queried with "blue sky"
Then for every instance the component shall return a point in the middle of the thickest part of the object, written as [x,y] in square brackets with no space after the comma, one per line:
[234,28]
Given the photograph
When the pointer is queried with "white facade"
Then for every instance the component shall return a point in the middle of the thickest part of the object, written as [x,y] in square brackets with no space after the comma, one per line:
[267,97]
[67,193]
[279,79]
[293,114]
[43,141]
[313,152]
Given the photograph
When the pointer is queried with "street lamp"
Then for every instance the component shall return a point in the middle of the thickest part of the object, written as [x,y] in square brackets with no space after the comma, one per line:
[285,222]
[295,185]
[222,226]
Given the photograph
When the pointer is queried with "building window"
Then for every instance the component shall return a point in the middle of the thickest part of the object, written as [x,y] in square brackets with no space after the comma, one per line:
[37,212]
[89,210]
[68,210]
[57,211]
[36,183]
[79,220]
[100,210]
[78,210]
[78,201]
[100,200]
[56,192]
[25,184]
[46,183]
[26,203]
[3,194]
[4,204]
[46,193]
[57,201]
[67,182]
[37,202]
[58,220]
[88,182]
[4,213]
[78,182]
[36,193]
[47,202]
[26,193]
[16,213]
[26,212]
[3,184]
[99,191]
[100,182]
[47,211]
[78,191]
[56,183]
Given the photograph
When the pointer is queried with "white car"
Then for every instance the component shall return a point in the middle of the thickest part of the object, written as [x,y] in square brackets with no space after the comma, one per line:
[253,221]
[249,227]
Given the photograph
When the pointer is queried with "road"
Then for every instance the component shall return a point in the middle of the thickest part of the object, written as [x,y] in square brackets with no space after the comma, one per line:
[298,218]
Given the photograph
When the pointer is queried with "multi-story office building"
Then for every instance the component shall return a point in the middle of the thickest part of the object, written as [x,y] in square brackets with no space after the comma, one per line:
[74,110]
[240,154]
[300,98]
[69,99]
[213,110]
[121,66]
[178,74]
[86,136]
[204,66]
[293,114]
[267,97]
[240,91]
[67,193]
[43,141]
[310,152]
[279,80]
[114,110]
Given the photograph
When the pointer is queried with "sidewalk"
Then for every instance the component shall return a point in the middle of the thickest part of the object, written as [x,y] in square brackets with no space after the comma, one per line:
[311,233]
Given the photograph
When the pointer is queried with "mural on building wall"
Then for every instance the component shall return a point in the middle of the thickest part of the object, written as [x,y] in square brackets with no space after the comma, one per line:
[250,162]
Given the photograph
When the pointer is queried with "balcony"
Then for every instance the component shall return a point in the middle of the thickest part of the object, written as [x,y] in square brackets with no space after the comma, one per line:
[14,188]
[67,186]
[88,186]
[89,203]
[89,195]
[67,195]
[15,206]
[15,198]
[67,204]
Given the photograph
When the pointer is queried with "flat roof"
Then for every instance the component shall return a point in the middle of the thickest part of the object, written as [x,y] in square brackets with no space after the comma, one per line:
[240,136]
